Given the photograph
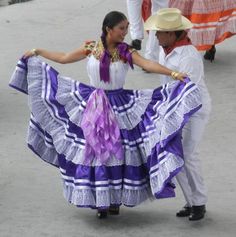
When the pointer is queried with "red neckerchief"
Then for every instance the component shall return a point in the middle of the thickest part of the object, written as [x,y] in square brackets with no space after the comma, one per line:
[182,42]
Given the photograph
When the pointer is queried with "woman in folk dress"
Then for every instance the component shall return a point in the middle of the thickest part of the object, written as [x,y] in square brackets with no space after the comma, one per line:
[213,20]
[112,146]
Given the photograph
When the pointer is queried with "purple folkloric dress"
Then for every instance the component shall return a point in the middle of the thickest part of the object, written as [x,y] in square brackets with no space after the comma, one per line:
[112,146]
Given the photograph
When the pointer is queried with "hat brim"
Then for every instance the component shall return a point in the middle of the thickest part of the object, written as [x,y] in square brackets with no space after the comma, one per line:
[151,24]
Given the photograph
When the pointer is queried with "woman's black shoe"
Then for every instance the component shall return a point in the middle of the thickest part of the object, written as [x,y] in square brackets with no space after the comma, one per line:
[186,211]
[102,214]
[114,210]
[210,54]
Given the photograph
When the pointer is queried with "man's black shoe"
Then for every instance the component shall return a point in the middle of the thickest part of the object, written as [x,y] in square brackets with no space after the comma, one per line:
[186,211]
[136,44]
[197,213]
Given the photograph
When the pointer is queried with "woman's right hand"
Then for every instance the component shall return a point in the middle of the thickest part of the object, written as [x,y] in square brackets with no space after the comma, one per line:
[30,53]
[178,76]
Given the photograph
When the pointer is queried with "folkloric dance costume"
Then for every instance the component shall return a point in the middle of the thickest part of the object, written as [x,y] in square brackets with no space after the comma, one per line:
[213,20]
[112,146]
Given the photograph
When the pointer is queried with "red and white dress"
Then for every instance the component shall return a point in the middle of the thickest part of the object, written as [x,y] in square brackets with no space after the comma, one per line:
[214,20]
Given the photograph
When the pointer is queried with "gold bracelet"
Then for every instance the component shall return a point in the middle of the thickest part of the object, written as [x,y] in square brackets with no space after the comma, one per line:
[174,75]
[34,51]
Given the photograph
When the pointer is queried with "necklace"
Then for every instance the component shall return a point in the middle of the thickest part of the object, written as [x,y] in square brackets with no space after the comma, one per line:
[99,49]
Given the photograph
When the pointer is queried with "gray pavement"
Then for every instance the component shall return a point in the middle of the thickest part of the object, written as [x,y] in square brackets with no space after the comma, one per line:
[31,201]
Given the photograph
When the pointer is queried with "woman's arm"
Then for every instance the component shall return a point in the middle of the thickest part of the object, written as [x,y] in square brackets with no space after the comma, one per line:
[151,66]
[59,57]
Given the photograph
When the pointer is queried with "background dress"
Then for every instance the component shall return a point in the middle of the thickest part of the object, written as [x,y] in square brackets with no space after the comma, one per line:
[213,20]
[147,150]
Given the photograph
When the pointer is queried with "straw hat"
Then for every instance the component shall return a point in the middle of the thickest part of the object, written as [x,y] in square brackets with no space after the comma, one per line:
[167,19]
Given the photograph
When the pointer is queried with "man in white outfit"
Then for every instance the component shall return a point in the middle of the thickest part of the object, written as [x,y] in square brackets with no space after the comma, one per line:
[177,53]
[136,27]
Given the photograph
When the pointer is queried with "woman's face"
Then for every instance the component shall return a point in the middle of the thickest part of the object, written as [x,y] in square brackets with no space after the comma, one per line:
[117,33]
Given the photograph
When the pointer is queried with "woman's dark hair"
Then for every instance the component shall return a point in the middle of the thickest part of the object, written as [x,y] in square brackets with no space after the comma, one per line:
[111,19]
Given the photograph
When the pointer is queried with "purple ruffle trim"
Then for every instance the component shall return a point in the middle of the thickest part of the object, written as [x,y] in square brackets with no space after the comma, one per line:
[100,129]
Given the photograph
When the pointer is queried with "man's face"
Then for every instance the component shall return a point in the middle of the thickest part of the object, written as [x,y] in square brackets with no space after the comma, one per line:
[165,38]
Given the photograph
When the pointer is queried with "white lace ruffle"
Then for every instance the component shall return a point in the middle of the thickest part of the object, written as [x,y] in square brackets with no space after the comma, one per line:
[135,157]
[57,129]
[44,115]
[37,143]
[173,120]
[18,80]
[74,151]
[131,117]
[129,196]
[74,104]
[104,198]
[165,168]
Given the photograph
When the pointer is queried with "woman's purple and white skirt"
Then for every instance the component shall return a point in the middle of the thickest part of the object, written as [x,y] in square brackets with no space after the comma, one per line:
[112,147]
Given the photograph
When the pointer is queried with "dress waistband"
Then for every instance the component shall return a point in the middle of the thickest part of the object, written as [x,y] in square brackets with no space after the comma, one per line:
[107,92]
